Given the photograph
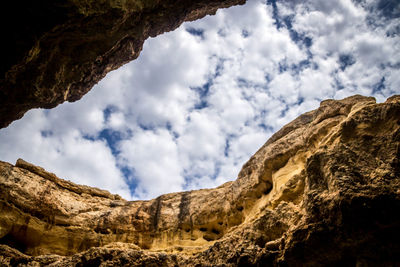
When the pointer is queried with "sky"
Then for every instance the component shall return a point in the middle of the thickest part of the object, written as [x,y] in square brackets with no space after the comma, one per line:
[199,101]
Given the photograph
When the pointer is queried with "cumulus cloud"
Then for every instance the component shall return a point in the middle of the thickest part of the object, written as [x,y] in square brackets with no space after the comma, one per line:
[153,156]
[199,101]
[68,154]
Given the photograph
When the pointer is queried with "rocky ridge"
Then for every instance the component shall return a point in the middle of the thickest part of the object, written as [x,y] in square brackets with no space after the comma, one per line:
[56,51]
[322,191]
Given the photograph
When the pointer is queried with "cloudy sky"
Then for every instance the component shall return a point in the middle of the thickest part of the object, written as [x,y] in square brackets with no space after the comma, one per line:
[201,100]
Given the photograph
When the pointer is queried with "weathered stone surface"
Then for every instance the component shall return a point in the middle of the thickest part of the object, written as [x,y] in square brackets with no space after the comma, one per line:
[55,51]
[323,191]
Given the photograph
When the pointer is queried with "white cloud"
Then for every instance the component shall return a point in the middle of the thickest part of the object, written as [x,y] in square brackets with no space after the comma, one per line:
[154,158]
[316,84]
[116,120]
[67,154]
[371,49]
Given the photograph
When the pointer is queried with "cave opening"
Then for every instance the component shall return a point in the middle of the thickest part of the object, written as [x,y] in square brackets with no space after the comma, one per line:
[187,115]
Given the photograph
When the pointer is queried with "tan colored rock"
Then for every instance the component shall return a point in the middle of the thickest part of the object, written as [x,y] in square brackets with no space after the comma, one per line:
[324,190]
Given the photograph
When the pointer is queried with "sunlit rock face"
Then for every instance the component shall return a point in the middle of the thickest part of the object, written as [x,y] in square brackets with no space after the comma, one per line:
[55,51]
[324,190]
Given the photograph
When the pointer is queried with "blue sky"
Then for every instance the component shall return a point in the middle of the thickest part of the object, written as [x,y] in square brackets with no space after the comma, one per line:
[199,101]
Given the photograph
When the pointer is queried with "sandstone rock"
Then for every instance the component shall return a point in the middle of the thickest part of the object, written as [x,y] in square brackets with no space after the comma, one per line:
[323,191]
[55,51]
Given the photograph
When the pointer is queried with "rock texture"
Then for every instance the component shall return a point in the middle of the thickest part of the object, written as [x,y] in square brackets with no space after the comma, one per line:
[55,51]
[323,191]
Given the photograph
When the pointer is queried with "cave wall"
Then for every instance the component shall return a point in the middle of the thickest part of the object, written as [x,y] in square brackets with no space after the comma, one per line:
[322,191]
[56,51]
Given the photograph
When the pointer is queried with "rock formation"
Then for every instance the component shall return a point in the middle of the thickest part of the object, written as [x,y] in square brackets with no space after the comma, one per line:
[55,51]
[323,191]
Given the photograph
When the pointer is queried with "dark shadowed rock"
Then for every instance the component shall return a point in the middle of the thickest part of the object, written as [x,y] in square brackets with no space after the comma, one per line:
[56,51]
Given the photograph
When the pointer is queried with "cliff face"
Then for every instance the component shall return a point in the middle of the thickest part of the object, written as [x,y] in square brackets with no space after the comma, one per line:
[55,51]
[324,190]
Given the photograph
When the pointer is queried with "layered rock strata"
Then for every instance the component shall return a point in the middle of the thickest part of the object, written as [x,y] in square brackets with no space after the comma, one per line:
[55,51]
[323,191]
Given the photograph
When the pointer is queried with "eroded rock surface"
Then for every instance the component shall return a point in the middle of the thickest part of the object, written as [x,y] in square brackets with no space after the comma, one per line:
[323,191]
[55,51]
